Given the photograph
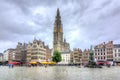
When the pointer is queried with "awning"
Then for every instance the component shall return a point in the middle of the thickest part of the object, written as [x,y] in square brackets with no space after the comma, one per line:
[15,63]
[48,62]
[100,62]
[33,62]
[44,62]
[107,62]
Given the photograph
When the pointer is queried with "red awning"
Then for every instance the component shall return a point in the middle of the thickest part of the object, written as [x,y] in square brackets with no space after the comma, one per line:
[100,62]
[15,63]
[107,62]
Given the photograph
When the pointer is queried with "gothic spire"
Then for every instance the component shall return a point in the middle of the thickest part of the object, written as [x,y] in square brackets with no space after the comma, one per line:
[58,17]
[58,12]
[58,23]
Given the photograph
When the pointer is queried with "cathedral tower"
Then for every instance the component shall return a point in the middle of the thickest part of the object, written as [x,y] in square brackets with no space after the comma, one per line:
[58,33]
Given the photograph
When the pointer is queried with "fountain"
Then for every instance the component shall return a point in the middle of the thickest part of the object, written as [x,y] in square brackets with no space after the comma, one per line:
[92,61]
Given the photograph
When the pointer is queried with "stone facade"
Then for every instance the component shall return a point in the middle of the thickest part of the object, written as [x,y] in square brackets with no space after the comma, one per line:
[116,54]
[5,55]
[71,58]
[85,56]
[100,52]
[9,55]
[76,56]
[48,53]
[58,42]
[104,51]
[65,58]
[21,52]
[38,52]
[109,50]
[79,57]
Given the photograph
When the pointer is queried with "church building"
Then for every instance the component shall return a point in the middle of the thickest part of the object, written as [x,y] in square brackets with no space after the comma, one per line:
[58,42]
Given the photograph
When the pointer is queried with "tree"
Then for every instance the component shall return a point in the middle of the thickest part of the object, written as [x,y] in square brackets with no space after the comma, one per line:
[56,56]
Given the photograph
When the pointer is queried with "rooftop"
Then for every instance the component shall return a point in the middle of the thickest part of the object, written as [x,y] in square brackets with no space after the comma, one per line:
[116,45]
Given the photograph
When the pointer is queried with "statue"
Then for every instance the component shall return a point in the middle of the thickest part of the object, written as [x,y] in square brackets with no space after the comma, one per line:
[92,61]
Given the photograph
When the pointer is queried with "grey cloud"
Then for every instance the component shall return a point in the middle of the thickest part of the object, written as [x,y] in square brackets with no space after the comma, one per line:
[113,13]
[84,24]
[106,3]
[116,11]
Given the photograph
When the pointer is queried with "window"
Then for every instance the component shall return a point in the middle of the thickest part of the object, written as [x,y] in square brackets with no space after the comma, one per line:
[104,49]
[34,57]
[104,57]
[34,46]
[115,50]
[118,50]
[95,50]
[95,53]
[119,54]
[115,55]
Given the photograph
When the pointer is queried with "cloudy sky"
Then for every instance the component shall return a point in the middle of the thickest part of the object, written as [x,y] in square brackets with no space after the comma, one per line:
[85,22]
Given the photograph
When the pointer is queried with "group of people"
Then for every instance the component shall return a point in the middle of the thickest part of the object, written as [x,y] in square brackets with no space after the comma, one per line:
[11,65]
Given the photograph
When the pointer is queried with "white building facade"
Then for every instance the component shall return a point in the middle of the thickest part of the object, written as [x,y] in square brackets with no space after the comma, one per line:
[103,53]
[5,55]
[116,53]
[100,53]
[65,58]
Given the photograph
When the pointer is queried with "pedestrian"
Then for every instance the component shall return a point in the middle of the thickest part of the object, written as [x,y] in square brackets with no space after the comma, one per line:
[9,65]
[12,65]
[45,66]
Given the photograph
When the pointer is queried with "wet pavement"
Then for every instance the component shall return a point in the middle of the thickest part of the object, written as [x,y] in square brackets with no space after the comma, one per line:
[59,73]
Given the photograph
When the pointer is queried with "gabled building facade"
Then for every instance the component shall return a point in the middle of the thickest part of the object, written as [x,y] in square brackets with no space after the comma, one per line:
[85,56]
[76,56]
[104,51]
[38,52]
[21,51]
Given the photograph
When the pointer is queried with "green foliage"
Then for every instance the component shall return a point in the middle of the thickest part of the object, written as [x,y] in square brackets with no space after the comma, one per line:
[56,56]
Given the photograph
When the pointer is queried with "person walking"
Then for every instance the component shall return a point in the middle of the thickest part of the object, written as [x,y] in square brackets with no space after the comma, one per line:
[12,65]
